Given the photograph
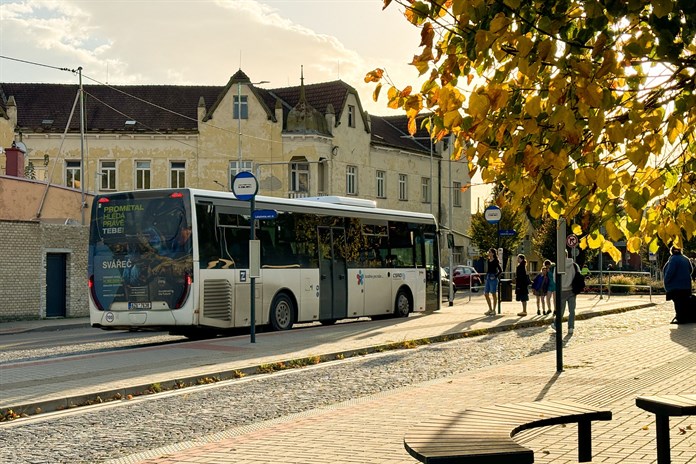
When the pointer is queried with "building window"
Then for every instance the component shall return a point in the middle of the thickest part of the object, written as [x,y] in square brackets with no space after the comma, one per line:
[244,107]
[457,193]
[403,187]
[425,189]
[351,116]
[107,175]
[142,175]
[381,187]
[299,177]
[351,180]
[72,174]
[177,174]
[238,166]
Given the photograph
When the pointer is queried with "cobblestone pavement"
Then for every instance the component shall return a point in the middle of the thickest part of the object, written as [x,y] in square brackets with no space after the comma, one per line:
[162,425]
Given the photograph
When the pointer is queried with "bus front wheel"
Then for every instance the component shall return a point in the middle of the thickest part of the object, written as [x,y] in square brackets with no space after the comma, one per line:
[403,304]
[282,312]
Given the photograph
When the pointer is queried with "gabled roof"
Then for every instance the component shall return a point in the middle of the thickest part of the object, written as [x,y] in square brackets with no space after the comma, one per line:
[392,132]
[319,96]
[162,108]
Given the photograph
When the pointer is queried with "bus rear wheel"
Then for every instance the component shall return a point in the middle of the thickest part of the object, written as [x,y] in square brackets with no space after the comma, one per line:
[282,312]
[402,307]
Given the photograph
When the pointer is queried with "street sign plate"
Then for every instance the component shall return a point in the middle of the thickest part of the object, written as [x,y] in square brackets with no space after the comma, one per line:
[507,233]
[492,214]
[265,214]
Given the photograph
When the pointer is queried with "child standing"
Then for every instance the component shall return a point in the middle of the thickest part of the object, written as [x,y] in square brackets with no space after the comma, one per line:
[540,287]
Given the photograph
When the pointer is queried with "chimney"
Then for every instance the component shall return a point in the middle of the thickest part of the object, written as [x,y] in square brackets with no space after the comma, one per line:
[15,161]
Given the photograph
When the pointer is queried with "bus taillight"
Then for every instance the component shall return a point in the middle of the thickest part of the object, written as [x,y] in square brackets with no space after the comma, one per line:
[188,280]
[92,291]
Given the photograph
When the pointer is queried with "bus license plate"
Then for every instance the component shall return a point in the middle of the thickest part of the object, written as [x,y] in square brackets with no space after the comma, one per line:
[147,305]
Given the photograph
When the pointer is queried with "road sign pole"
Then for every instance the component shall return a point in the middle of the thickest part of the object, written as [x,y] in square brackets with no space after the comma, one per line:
[252,278]
[500,285]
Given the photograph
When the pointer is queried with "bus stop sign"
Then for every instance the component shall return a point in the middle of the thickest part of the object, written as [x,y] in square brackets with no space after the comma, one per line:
[492,214]
[245,186]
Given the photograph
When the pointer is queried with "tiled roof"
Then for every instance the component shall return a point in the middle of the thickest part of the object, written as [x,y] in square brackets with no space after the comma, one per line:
[392,132]
[162,108]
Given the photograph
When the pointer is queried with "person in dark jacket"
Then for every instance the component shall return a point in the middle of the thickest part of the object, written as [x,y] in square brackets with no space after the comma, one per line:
[522,284]
[677,280]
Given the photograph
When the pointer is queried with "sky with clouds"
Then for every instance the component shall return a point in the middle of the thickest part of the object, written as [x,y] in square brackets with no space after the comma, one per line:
[204,42]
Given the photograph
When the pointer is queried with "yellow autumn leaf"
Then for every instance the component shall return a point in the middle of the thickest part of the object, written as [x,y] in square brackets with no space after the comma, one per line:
[595,240]
[614,253]
[577,229]
[605,177]
[375,94]
[633,244]
[478,106]
[554,209]
[533,106]
[524,46]
[613,231]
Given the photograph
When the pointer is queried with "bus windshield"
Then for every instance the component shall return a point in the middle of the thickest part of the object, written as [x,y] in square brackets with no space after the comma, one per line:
[140,250]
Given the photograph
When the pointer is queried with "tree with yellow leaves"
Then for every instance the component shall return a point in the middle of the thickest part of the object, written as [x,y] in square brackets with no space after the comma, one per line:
[577,107]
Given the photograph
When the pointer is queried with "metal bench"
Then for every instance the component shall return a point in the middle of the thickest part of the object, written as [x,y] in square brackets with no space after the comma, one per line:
[663,407]
[484,435]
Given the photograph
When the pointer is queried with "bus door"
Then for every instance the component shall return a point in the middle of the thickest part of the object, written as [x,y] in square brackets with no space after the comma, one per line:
[333,283]
[432,265]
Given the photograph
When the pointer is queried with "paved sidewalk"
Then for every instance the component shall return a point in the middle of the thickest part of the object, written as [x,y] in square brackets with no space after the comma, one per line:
[609,373]
[58,383]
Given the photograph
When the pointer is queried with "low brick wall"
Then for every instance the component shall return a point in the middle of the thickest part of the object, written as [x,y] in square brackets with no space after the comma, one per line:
[24,246]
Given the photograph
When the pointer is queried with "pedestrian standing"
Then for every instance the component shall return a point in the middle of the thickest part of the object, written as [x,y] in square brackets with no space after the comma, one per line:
[490,289]
[551,291]
[522,284]
[567,295]
[540,287]
[677,280]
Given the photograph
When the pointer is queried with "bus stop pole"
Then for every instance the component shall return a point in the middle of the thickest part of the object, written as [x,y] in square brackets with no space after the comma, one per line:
[560,272]
[252,272]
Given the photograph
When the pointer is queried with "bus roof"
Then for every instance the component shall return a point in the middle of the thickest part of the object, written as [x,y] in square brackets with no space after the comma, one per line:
[346,206]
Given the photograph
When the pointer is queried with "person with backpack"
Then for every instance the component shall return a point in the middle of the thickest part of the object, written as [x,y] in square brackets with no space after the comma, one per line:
[570,287]
[677,280]
[540,286]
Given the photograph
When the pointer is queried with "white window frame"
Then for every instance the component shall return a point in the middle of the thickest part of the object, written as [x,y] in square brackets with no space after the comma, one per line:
[403,187]
[143,175]
[425,189]
[107,175]
[247,166]
[381,187]
[351,180]
[244,107]
[457,194]
[73,173]
[299,176]
[177,174]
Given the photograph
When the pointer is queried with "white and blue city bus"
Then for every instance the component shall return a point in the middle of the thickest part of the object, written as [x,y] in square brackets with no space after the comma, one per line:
[178,260]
